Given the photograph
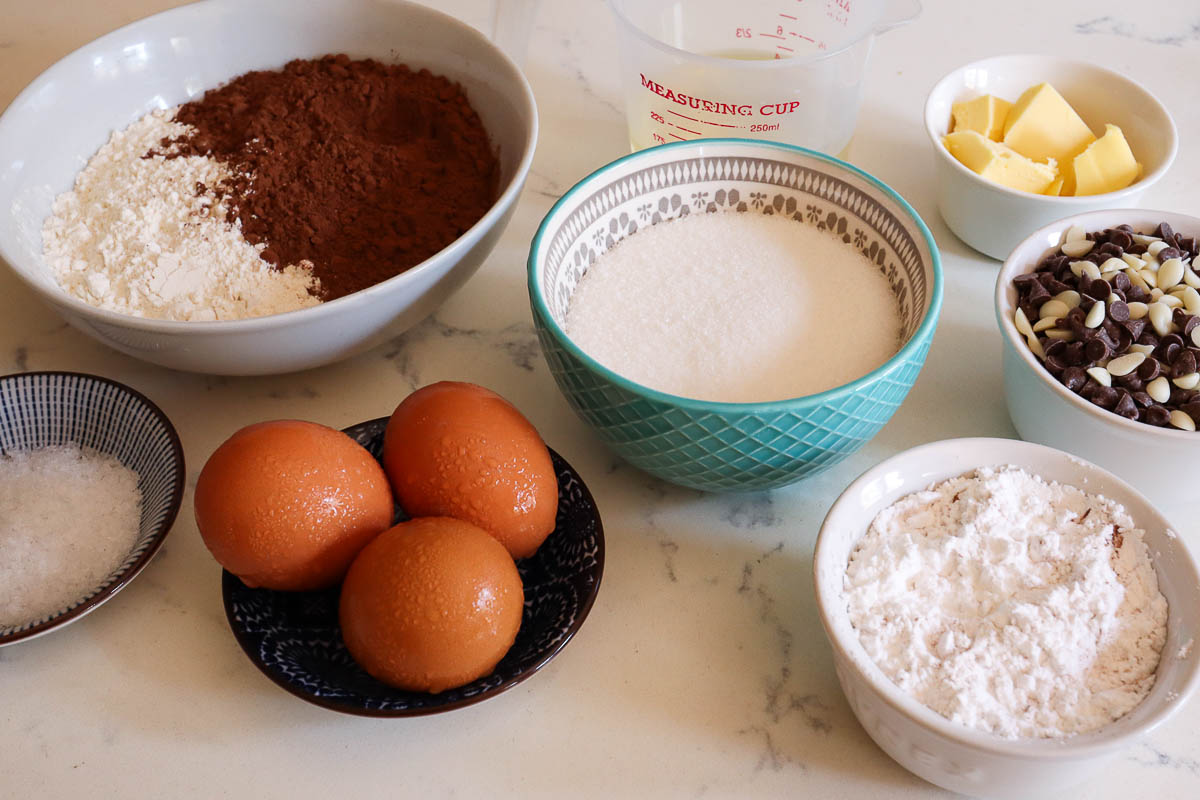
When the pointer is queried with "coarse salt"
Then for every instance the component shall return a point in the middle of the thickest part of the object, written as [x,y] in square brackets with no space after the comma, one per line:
[68,519]
[735,307]
[1010,604]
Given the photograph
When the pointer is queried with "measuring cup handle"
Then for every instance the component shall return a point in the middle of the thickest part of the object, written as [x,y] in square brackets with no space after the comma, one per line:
[512,22]
[897,13]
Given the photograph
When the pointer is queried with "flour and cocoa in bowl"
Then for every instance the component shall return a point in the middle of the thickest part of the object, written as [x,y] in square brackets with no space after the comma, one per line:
[276,191]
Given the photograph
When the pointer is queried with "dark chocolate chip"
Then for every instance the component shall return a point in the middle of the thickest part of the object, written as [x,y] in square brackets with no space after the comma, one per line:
[1074,378]
[1184,363]
[1167,352]
[1104,396]
[1121,282]
[1167,253]
[1135,327]
[1121,238]
[1131,382]
[1155,415]
[1148,370]
[1125,406]
[1054,365]
[1142,399]
[1118,311]
[1163,231]
[1096,350]
[1136,294]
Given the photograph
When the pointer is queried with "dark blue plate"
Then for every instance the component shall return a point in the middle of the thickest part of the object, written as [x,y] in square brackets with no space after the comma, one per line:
[294,637]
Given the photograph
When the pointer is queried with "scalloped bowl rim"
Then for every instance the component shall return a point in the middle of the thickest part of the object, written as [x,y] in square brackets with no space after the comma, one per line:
[671,152]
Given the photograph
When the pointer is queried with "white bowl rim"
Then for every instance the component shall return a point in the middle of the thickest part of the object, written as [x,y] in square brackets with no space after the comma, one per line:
[1097,743]
[453,251]
[925,329]
[1008,329]
[1067,203]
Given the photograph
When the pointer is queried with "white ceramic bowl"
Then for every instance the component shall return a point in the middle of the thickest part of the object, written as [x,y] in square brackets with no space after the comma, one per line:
[992,218]
[946,753]
[59,121]
[1160,462]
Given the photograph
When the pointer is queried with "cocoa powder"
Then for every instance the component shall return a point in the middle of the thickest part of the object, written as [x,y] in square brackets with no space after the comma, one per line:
[362,168]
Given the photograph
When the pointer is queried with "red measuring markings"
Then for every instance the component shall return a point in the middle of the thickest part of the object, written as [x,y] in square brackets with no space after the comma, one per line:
[693,119]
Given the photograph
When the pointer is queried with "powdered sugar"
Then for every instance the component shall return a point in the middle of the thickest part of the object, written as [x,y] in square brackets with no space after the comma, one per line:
[1010,604]
[148,237]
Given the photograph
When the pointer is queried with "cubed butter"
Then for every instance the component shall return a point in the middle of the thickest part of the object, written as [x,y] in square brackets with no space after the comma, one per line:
[1106,165]
[1042,125]
[999,163]
[984,115]
[1056,186]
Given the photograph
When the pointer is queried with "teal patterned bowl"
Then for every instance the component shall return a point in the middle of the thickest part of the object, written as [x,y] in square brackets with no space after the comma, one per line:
[733,446]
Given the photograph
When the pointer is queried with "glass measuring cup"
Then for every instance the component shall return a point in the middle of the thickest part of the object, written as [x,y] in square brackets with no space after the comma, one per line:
[785,70]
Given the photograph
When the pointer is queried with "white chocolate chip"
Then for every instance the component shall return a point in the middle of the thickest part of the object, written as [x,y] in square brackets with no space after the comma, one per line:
[1095,315]
[1022,323]
[1144,349]
[1159,389]
[1075,233]
[1090,269]
[1036,346]
[1191,278]
[1150,277]
[1123,365]
[1155,294]
[1196,336]
[1160,318]
[1112,264]
[1060,333]
[1137,310]
[1191,300]
[1156,247]
[1100,375]
[1181,420]
[1077,248]
[1053,308]
[1145,238]
[1135,278]
[1170,273]
[1070,297]
[1171,300]
[1133,261]
[1045,323]
[1189,381]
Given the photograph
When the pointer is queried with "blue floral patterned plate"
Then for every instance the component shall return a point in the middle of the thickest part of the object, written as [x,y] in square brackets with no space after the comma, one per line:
[294,637]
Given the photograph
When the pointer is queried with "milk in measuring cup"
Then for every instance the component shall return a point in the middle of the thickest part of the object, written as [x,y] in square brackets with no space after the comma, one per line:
[759,69]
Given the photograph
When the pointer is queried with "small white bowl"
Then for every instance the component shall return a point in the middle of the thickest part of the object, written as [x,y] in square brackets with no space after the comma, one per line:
[1160,462]
[174,56]
[952,755]
[993,218]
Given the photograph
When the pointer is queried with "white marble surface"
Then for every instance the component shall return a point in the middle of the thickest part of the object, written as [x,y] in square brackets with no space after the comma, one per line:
[703,670]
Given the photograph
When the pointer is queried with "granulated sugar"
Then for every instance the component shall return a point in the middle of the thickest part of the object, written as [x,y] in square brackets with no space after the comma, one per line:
[147,236]
[735,307]
[1010,604]
[68,518]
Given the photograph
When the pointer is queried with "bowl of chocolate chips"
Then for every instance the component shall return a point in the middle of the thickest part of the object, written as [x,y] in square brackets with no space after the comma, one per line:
[253,188]
[1100,318]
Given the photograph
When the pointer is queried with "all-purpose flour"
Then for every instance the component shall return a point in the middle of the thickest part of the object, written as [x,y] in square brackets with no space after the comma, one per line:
[1010,604]
[147,236]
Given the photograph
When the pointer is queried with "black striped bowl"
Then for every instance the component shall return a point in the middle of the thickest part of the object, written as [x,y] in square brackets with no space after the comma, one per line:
[42,409]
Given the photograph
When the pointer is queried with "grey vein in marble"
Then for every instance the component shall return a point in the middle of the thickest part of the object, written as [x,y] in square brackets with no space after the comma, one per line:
[1128,30]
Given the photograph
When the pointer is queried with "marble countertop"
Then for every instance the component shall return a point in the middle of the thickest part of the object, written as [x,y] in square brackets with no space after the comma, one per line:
[702,670]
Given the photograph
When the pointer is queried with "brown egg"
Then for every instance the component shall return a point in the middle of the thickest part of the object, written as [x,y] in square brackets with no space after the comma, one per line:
[288,504]
[459,450]
[431,604]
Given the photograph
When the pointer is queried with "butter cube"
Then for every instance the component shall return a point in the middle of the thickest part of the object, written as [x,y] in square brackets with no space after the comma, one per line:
[984,115]
[1042,125]
[1106,165]
[999,163]
[1055,187]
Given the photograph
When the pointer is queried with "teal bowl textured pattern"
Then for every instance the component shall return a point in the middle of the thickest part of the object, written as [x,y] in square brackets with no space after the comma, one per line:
[733,446]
